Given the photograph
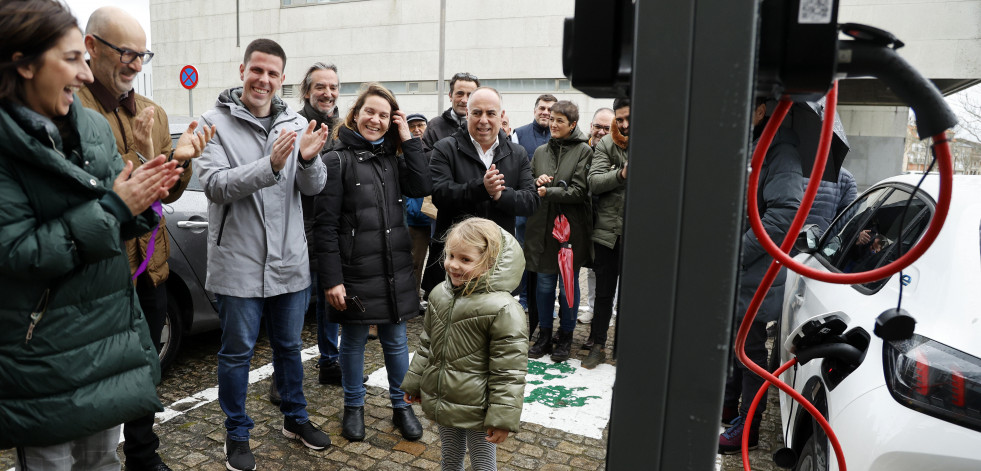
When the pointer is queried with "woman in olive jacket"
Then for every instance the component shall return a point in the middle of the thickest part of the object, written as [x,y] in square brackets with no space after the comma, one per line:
[363,247]
[560,168]
[76,358]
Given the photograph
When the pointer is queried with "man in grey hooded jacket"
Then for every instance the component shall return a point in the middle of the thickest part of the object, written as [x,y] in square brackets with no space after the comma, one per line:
[253,173]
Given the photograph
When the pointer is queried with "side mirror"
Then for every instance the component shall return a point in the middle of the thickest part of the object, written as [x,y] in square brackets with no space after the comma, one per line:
[807,239]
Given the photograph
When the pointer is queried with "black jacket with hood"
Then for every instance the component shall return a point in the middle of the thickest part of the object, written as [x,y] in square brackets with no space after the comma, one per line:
[361,239]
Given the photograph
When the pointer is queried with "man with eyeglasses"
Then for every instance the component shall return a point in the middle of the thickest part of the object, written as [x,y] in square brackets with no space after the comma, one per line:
[599,127]
[454,118]
[116,44]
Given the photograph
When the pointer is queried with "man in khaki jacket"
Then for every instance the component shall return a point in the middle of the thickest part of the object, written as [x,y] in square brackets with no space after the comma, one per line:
[116,44]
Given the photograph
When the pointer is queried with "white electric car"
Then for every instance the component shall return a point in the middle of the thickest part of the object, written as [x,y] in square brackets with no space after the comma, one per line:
[894,405]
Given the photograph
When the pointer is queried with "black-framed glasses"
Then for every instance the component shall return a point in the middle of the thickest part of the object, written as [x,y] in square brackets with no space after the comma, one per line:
[127,56]
[599,127]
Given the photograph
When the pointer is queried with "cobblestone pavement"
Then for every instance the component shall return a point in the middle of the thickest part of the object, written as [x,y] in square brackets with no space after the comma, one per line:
[194,439]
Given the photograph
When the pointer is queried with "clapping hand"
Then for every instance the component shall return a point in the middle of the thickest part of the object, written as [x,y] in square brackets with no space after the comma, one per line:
[150,182]
[143,132]
[312,142]
[191,144]
[494,182]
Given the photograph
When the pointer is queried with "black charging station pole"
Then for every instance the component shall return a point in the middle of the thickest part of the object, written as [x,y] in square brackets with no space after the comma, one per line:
[691,98]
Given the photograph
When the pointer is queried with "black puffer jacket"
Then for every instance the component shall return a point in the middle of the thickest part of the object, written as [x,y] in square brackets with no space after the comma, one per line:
[361,240]
[778,198]
[441,127]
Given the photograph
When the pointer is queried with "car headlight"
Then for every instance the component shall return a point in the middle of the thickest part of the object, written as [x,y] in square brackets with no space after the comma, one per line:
[935,379]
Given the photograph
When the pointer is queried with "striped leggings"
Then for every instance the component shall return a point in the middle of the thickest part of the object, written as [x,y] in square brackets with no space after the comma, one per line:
[455,441]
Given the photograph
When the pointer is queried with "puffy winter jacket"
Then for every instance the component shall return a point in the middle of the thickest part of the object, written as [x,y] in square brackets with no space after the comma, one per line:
[88,363]
[832,198]
[609,189]
[565,160]
[306,201]
[256,244]
[472,359]
[778,198]
[361,239]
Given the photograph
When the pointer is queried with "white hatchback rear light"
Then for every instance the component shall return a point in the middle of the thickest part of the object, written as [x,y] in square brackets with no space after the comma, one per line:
[933,378]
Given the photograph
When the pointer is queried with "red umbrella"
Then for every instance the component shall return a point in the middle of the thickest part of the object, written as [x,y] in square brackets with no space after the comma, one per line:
[560,230]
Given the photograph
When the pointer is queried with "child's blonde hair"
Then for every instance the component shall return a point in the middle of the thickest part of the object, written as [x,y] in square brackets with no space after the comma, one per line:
[485,236]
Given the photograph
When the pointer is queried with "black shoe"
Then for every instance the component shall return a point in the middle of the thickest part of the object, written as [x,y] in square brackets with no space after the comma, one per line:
[543,345]
[274,392]
[407,423]
[330,373]
[563,348]
[587,345]
[306,433]
[352,426]
[238,455]
[596,356]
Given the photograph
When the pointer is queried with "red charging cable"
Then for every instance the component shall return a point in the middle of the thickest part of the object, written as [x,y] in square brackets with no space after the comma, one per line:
[942,150]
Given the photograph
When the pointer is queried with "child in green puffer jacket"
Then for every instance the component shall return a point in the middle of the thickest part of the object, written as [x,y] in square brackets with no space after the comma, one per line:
[469,371]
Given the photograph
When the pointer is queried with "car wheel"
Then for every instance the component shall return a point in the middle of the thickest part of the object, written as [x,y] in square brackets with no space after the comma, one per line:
[172,333]
[814,456]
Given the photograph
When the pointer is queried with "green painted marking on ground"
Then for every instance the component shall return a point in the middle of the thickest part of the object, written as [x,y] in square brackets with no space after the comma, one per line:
[558,397]
[537,368]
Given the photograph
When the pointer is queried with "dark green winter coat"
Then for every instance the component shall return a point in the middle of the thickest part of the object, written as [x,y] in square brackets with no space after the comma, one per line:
[472,359]
[565,160]
[606,184]
[88,364]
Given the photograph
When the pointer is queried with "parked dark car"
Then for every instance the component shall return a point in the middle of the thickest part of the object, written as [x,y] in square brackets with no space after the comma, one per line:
[190,308]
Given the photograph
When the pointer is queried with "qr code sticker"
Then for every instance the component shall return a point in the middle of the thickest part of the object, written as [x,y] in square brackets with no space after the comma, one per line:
[814,12]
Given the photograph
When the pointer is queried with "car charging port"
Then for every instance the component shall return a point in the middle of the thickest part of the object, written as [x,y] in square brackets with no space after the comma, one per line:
[824,336]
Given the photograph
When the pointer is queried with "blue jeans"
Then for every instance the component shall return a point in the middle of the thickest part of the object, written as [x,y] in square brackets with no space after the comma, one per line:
[326,331]
[546,303]
[396,350]
[240,320]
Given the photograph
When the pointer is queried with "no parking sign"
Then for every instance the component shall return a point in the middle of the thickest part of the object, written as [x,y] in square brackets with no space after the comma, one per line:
[189,77]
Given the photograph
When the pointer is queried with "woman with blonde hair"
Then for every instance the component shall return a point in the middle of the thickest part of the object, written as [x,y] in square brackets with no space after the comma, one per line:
[363,247]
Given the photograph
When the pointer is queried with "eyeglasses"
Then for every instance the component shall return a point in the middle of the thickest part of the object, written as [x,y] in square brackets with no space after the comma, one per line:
[127,56]
[601,127]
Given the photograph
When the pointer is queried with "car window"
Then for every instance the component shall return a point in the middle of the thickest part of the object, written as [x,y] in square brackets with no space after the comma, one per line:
[873,231]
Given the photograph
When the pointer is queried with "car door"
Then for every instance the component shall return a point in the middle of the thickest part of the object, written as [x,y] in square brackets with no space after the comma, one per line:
[874,230]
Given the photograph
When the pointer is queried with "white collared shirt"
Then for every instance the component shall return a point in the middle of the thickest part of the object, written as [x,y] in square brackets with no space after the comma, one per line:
[486,157]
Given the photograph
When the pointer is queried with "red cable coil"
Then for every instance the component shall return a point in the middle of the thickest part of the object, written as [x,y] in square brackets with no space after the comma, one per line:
[780,256]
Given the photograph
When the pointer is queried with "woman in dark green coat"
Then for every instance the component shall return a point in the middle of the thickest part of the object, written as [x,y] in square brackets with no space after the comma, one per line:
[76,358]
[560,167]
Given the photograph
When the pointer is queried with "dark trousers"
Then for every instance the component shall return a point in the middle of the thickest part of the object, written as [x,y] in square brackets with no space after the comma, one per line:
[141,443]
[420,245]
[606,265]
[743,383]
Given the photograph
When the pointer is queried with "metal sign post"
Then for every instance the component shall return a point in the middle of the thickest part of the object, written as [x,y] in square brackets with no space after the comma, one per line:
[189,80]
